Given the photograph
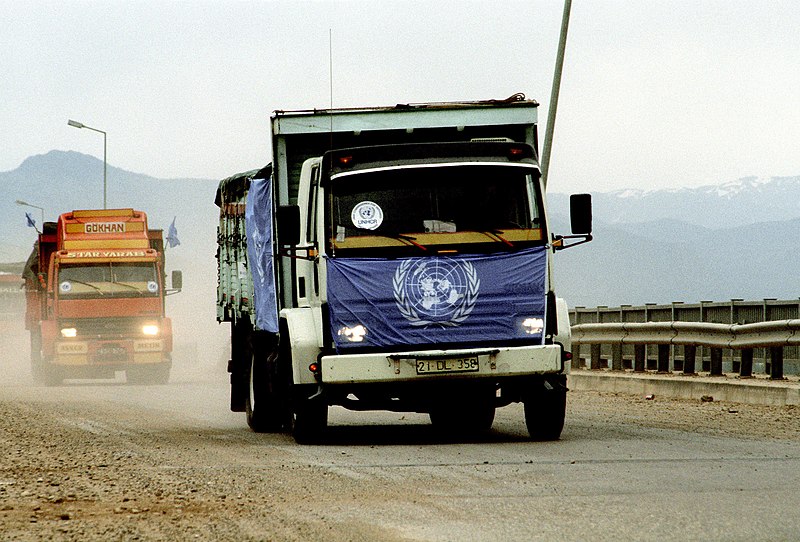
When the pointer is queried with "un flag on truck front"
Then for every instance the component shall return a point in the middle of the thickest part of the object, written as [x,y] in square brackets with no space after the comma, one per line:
[459,300]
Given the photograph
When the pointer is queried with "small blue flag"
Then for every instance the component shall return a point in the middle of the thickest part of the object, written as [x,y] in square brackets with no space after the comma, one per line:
[31,221]
[172,235]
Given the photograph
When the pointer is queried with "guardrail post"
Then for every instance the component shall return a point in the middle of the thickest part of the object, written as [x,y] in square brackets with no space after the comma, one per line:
[595,352]
[677,361]
[577,361]
[663,358]
[639,351]
[650,364]
[716,362]
[746,366]
[689,357]
[776,358]
[616,357]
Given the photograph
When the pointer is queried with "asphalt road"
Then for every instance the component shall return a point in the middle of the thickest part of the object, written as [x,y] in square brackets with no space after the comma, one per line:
[107,461]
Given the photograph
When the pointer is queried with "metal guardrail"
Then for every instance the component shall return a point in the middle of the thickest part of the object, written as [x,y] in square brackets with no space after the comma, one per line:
[737,336]
[774,335]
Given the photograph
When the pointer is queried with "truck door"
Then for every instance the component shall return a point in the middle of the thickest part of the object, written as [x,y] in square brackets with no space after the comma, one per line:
[307,279]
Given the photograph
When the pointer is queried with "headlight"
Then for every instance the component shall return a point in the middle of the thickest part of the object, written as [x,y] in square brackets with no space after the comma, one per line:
[533,326]
[353,334]
[69,332]
[150,329]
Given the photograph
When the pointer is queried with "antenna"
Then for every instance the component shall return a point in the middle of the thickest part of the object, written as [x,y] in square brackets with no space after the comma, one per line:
[330,77]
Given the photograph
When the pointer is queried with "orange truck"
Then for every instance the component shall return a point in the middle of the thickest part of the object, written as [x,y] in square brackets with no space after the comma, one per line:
[95,290]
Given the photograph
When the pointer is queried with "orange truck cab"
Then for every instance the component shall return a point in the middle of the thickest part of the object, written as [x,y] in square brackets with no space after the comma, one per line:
[96,286]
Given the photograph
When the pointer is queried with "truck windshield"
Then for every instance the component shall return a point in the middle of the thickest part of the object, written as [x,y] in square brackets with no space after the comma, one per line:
[108,279]
[457,207]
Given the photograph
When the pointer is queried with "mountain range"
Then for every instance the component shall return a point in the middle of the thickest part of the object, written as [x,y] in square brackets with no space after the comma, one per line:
[61,181]
[733,240]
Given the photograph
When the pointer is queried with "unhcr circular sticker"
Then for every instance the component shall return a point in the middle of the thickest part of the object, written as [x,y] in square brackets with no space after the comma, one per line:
[152,286]
[65,287]
[367,215]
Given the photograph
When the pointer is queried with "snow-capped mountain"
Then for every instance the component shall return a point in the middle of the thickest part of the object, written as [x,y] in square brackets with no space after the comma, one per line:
[745,201]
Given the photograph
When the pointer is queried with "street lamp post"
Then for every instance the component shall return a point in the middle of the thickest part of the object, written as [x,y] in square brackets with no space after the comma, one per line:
[77,124]
[26,204]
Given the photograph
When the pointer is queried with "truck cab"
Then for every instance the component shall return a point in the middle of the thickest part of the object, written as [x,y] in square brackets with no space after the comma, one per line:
[96,299]
[413,271]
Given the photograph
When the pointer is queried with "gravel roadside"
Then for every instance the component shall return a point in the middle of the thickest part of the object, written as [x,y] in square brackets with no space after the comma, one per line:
[65,476]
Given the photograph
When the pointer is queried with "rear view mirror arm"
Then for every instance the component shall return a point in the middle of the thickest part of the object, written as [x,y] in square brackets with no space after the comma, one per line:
[559,244]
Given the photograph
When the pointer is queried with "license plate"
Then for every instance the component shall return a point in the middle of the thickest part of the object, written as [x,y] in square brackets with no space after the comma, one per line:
[450,365]
[111,351]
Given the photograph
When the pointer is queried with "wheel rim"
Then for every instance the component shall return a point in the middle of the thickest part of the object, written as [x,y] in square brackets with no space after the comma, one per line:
[251,386]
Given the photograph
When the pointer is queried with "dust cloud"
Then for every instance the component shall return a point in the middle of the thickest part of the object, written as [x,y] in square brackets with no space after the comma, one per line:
[15,365]
[201,346]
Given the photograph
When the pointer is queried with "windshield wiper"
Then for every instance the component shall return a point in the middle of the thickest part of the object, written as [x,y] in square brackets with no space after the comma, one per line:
[131,286]
[407,238]
[496,235]
[90,285]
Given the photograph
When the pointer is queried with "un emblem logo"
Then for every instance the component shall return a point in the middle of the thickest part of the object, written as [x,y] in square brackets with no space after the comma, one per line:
[438,291]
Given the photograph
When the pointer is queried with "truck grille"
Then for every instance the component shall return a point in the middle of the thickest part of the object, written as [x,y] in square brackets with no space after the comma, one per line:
[107,328]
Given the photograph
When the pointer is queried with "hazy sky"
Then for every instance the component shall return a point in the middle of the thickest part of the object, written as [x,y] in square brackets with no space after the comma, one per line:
[655,93]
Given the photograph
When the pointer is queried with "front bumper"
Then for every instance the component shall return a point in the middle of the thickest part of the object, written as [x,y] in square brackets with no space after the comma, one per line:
[110,353]
[403,366]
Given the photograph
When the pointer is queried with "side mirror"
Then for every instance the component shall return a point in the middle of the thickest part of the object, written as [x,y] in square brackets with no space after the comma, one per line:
[580,214]
[288,219]
[177,279]
[580,217]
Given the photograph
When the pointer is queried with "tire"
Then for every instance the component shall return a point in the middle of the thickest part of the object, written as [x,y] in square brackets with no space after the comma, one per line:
[544,413]
[465,415]
[37,365]
[148,374]
[239,364]
[52,375]
[309,421]
[266,403]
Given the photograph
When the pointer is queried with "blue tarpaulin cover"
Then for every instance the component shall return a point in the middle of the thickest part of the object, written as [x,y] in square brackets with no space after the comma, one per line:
[465,299]
[258,225]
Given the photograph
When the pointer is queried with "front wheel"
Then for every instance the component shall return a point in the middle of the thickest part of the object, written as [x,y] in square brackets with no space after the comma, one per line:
[309,420]
[545,410]
[52,375]
[37,364]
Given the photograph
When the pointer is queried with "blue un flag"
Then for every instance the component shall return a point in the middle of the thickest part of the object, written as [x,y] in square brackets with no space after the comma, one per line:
[463,299]
[30,220]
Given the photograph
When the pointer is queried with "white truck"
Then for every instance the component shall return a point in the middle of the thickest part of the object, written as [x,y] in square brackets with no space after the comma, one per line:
[396,258]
